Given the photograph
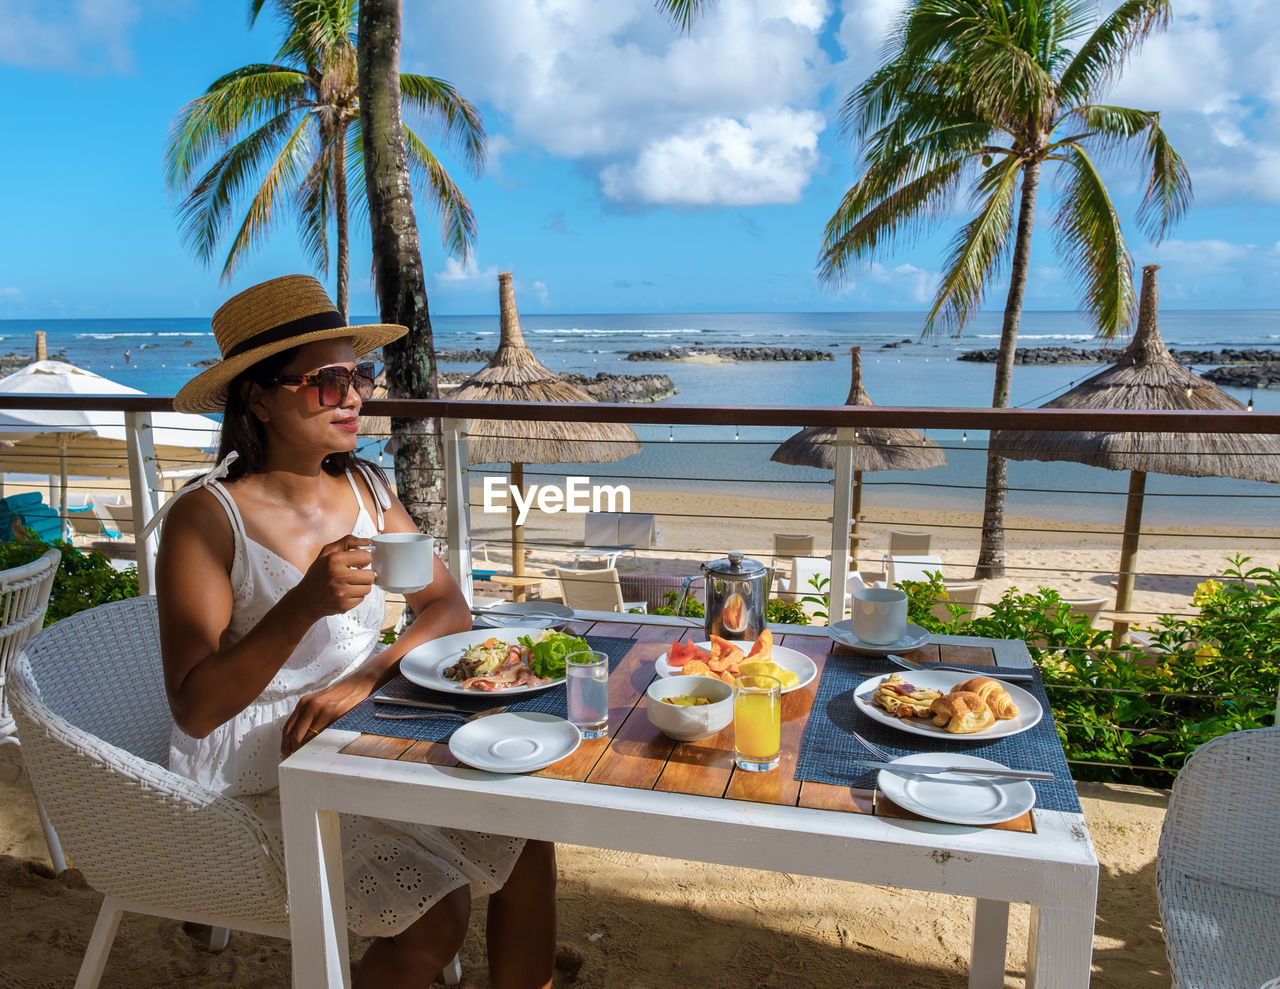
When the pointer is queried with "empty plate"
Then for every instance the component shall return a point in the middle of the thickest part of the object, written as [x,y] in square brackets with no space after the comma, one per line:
[514,742]
[957,798]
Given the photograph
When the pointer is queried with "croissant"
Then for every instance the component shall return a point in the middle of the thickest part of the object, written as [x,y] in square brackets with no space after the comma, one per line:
[962,712]
[994,694]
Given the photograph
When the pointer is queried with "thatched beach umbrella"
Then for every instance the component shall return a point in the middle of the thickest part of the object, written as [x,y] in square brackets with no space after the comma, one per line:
[1147,377]
[874,448]
[515,375]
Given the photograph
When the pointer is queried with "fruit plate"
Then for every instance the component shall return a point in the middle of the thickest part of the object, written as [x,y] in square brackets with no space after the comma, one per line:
[789,659]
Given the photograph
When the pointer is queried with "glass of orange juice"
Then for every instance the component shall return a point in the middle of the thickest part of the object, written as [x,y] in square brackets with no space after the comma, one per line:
[757,722]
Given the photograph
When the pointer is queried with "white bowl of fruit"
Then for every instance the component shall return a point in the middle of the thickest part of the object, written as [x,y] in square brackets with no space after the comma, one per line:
[689,707]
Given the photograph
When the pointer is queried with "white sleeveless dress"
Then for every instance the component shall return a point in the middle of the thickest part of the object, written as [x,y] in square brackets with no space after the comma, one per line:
[394,871]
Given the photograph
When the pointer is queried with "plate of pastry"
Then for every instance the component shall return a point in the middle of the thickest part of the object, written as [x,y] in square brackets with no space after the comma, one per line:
[948,704]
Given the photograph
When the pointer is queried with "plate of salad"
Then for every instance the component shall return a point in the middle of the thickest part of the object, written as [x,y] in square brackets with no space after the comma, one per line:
[507,661]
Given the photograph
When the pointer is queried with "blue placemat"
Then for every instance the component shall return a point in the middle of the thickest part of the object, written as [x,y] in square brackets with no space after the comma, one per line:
[550,701]
[827,748]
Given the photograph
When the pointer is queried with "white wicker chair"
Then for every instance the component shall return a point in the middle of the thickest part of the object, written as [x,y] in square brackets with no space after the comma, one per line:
[24,598]
[1217,869]
[88,696]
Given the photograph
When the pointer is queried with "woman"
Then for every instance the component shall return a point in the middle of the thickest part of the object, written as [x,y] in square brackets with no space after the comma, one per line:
[269,624]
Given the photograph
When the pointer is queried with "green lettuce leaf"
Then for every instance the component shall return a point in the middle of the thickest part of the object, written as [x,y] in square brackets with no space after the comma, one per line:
[546,658]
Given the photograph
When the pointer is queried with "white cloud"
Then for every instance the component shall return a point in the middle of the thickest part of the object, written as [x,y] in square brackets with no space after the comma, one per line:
[469,275]
[614,85]
[1215,77]
[81,35]
[766,158]
[1209,256]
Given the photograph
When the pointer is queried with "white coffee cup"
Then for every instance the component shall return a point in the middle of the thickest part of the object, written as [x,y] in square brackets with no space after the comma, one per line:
[403,562]
[879,615]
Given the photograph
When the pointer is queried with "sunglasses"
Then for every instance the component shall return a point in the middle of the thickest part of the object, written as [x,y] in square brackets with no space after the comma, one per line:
[334,382]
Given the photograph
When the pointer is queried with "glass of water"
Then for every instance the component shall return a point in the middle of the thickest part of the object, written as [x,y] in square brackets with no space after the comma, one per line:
[587,690]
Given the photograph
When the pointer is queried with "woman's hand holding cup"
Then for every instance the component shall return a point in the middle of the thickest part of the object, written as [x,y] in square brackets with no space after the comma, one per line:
[339,578]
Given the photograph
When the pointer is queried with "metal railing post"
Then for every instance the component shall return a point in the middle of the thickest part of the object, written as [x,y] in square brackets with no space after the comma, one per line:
[143,486]
[457,507]
[841,519]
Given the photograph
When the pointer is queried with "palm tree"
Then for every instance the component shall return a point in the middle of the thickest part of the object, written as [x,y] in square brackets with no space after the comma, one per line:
[986,92]
[292,128]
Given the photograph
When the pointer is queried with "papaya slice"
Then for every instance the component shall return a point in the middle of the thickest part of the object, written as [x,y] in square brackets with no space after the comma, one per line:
[762,648]
[728,677]
[725,656]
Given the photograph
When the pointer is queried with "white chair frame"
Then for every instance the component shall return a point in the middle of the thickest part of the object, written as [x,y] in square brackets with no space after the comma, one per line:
[88,697]
[24,599]
[1217,870]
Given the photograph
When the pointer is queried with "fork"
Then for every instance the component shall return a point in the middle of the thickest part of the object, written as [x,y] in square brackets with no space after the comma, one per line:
[464,718]
[875,750]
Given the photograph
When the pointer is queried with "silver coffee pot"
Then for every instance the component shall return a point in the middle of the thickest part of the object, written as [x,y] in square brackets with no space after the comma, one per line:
[735,595]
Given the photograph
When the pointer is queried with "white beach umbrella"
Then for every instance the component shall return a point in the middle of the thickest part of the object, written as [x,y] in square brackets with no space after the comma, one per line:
[84,442]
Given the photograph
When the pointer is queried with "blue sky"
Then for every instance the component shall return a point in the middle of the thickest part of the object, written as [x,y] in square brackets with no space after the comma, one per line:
[630,169]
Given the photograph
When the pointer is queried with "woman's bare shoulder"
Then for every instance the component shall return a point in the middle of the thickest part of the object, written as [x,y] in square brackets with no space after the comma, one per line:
[198,515]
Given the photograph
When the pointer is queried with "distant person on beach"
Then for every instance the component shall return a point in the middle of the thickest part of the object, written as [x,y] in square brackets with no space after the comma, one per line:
[270,621]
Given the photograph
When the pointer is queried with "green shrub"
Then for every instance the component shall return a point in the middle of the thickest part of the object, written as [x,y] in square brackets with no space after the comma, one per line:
[779,612]
[692,607]
[1132,715]
[83,580]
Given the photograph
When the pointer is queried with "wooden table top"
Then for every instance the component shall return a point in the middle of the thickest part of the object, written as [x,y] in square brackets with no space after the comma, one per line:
[636,754]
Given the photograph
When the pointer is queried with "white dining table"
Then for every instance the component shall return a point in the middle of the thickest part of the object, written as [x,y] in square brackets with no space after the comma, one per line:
[1051,865]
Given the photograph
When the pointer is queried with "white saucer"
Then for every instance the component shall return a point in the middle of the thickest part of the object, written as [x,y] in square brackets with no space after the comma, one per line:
[843,633]
[514,742]
[536,614]
[957,798]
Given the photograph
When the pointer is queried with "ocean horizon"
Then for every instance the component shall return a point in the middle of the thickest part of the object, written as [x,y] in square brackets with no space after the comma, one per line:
[899,368]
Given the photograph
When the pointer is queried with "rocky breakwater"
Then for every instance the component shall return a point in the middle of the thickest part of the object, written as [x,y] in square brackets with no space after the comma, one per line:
[1247,375]
[731,354]
[1248,368]
[602,387]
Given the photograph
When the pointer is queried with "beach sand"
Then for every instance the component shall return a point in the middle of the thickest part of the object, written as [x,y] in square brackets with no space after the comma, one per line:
[626,920]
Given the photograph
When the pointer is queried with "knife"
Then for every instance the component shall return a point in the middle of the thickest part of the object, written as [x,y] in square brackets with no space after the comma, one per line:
[912,769]
[429,705]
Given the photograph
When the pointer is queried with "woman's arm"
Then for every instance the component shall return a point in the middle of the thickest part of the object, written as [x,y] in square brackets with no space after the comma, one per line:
[439,609]
[208,682]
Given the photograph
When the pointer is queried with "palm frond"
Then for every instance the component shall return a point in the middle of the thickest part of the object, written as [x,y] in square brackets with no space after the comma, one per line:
[281,176]
[206,210]
[682,13]
[232,105]
[1089,238]
[978,249]
[1169,188]
[863,223]
[1102,57]
[314,202]
[457,222]
[458,119]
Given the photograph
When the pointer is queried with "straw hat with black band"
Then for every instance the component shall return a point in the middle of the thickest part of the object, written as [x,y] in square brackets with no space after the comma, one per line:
[265,319]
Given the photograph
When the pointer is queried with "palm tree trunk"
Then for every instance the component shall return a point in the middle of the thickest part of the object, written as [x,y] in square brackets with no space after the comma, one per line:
[340,208]
[401,286]
[991,552]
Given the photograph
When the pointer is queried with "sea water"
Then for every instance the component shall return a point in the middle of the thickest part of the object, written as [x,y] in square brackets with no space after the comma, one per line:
[900,367]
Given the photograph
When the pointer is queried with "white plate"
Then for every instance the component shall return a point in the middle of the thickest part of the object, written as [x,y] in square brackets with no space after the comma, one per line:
[1029,709]
[425,664]
[797,662]
[514,742]
[957,798]
[527,613]
[843,633]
